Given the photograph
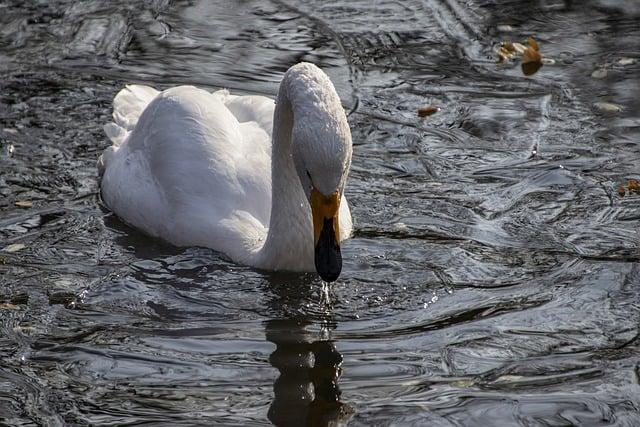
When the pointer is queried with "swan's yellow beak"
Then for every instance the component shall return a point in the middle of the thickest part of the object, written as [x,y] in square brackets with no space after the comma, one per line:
[326,234]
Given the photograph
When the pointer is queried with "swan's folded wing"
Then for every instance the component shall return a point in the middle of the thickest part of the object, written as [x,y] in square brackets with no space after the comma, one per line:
[207,163]
[251,108]
[129,104]
[190,173]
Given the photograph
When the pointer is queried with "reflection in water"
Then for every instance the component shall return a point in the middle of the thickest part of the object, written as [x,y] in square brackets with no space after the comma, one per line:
[307,392]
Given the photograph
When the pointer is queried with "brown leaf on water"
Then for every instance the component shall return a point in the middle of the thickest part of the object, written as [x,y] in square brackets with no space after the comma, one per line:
[530,68]
[518,48]
[622,191]
[427,110]
[508,50]
[632,187]
[507,46]
[24,203]
[503,54]
[531,58]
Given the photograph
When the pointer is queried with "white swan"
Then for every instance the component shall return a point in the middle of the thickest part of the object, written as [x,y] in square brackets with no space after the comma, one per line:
[205,169]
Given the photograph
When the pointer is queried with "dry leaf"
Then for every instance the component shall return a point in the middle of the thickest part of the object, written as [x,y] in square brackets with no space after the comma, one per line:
[507,46]
[503,54]
[507,50]
[531,67]
[621,191]
[607,107]
[519,48]
[531,58]
[462,383]
[632,186]
[14,247]
[532,61]
[24,203]
[427,110]
[504,28]
[626,61]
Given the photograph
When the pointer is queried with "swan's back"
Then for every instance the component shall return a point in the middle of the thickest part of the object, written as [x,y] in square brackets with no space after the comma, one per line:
[190,166]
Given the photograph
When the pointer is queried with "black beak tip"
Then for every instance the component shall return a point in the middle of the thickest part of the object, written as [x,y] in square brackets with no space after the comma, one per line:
[330,275]
[328,258]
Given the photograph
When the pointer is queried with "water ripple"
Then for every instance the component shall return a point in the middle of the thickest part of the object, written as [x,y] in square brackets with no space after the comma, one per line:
[492,276]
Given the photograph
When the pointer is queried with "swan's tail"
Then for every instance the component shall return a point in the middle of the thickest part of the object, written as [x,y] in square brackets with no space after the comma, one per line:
[128,105]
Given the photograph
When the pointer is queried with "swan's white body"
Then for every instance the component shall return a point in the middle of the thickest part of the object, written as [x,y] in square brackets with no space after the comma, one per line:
[195,168]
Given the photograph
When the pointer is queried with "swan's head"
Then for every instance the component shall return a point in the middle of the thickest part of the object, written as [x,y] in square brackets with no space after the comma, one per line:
[321,150]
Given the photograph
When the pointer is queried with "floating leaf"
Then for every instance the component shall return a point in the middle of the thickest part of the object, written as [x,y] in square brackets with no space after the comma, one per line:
[600,73]
[14,247]
[626,61]
[632,187]
[518,48]
[531,67]
[463,383]
[504,28]
[427,110]
[503,54]
[531,58]
[508,50]
[24,203]
[607,107]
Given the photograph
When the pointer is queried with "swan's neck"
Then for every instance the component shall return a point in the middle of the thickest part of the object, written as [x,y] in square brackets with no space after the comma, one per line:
[289,242]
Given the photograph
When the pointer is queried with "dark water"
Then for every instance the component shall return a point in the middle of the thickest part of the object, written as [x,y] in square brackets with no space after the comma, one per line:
[494,275]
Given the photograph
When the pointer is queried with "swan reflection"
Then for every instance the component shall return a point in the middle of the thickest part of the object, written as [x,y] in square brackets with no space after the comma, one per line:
[306,392]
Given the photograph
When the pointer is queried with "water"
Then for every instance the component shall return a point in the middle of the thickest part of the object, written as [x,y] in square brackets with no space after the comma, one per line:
[493,278]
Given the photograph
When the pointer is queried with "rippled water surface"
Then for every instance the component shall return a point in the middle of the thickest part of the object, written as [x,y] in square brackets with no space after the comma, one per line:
[494,274]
